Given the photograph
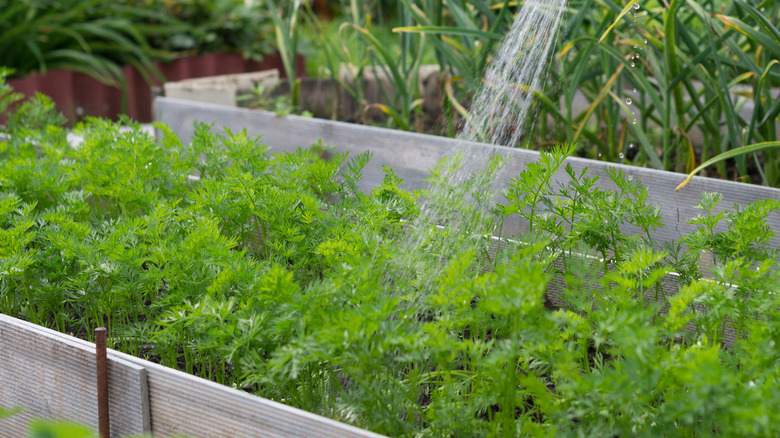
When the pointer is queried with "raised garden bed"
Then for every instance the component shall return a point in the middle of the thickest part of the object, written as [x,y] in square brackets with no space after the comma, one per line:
[308,278]
[78,95]
[412,156]
[326,99]
[52,375]
[321,97]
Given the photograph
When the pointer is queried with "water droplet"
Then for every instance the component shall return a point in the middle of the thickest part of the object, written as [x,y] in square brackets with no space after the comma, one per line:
[636,5]
[634,15]
[636,46]
[631,146]
[633,65]
[645,41]
[771,343]
[599,154]
[634,90]
[628,101]
[621,155]
[636,55]
[634,122]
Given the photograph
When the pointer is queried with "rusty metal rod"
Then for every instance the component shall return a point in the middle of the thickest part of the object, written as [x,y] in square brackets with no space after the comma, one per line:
[102,382]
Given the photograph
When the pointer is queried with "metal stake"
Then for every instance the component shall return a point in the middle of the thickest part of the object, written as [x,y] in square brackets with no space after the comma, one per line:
[102,382]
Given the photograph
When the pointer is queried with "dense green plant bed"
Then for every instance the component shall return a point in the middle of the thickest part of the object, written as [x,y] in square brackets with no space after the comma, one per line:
[274,274]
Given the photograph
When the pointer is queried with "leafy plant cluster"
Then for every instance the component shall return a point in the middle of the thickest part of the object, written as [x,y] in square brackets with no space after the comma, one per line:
[209,26]
[687,67]
[98,37]
[654,75]
[275,274]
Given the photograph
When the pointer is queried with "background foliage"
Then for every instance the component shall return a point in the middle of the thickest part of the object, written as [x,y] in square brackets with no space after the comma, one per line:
[701,69]
[705,72]
[98,37]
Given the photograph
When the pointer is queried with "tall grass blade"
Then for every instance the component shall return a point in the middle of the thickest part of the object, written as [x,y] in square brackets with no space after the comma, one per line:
[639,134]
[592,107]
[398,118]
[757,36]
[384,54]
[625,11]
[450,92]
[749,149]
[448,30]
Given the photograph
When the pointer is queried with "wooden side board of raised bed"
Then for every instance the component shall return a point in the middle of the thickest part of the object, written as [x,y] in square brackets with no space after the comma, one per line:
[185,405]
[52,376]
[412,155]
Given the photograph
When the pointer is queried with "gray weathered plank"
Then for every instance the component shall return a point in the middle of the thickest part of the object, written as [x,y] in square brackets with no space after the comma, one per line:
[52,376]
[182,404]
[412,155]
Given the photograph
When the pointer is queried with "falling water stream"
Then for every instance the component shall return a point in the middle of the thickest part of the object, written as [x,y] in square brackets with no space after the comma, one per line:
[501,113]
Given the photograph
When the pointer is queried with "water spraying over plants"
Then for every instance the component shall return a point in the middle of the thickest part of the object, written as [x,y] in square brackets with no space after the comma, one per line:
[279,275]
[500,114]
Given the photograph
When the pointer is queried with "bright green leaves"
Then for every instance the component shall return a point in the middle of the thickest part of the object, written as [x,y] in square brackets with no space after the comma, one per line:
[238,152]
[579,212]
[17,233]
[341,249]
[34,115]
[747,231]
[32,149]
[527,193]
[124,168]
[679,313]
[398,203]
[7,95]
[622,13]
[59,429]
[17,221]
[516,292]
[278,275]
[619,331]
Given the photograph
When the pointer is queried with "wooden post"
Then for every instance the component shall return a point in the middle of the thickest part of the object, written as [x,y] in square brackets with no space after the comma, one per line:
[104,427]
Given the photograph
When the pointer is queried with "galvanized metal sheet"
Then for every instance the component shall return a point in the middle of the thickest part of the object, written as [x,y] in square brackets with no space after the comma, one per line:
[412,155]
[52,376]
